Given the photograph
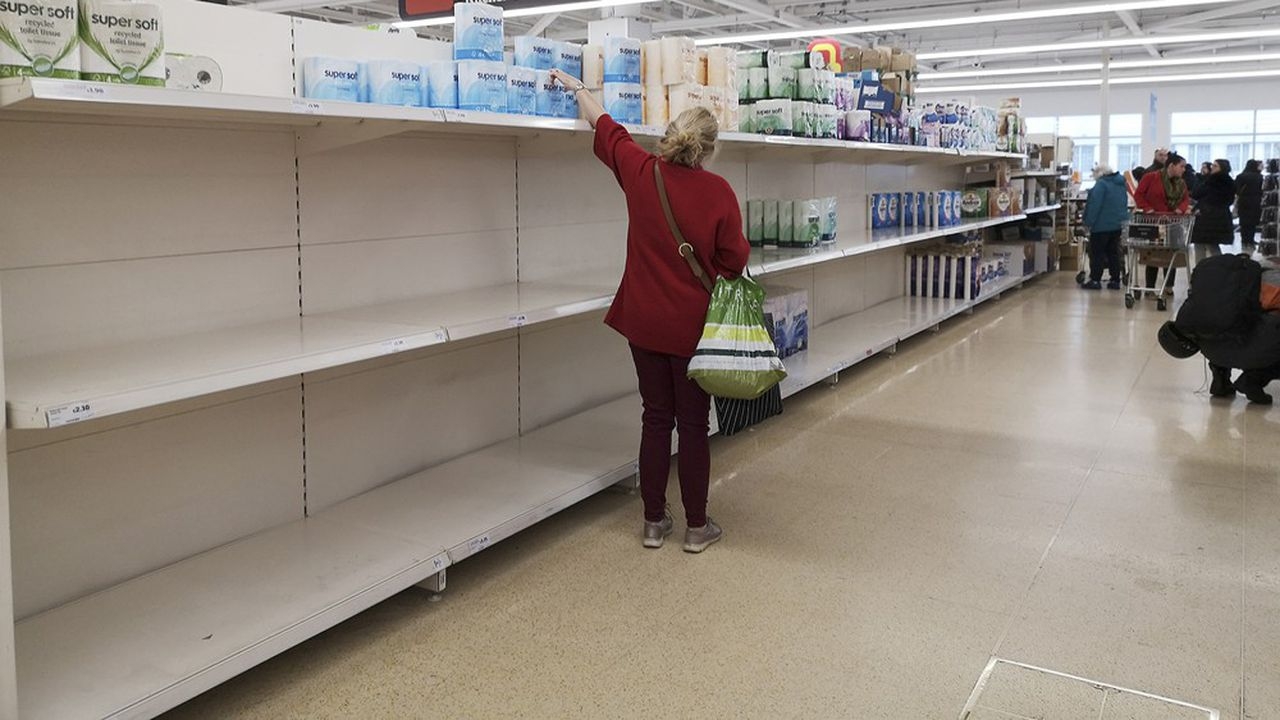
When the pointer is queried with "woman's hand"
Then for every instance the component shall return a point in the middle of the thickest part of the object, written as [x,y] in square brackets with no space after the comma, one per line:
[570,82]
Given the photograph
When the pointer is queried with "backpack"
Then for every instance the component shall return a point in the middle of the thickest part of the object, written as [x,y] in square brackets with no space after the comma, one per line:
[1223,302]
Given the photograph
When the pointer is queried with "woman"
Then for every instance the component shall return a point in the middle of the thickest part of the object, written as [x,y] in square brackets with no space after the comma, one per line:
[1105,214]
[1249,202]
[661,306]
[1164,191]
[1213,196]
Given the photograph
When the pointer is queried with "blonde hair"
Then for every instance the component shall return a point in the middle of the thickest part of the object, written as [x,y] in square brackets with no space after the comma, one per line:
[690,138]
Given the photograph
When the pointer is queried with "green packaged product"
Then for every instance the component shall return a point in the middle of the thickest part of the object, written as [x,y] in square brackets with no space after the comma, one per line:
[828,212]
[807,222]
[753,58]
[773,117]
[757,84]
[800,119]
[770,222]
[755,223]
[782,83]
[786,223]
[794,59]
[744,86]
[807,85]
[747,118]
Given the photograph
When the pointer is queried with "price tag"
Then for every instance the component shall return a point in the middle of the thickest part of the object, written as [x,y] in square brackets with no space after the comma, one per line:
[67,414]
[393,346]
[457,116]
[478,544]
[307,107]
[517,320]
[82,90]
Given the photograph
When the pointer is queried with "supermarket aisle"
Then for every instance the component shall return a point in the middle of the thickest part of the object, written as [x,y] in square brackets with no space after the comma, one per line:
[1037,483]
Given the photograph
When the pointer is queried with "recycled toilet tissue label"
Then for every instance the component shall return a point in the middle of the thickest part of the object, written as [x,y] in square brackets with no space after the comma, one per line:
[39,37]
[121,42]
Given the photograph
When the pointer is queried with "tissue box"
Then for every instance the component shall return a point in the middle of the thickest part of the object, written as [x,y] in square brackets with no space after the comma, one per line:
[522,91]
[536,53]
[482,85]
[786,317]
[569,58]
[624,102]
[442,84]
[331,79]
[621,60]
[477,32]
[393,83]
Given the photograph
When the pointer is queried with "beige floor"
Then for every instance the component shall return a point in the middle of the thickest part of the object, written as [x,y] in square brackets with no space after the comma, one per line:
[1037,482]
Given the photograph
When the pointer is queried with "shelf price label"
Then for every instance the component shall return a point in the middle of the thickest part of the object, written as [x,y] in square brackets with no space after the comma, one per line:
[394,345]
[477,544]
[77,90]
[67,414]
[516,321]
[307,107]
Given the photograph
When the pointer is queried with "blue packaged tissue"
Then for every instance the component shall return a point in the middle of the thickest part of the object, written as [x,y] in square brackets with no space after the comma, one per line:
[569,108]
[882,209]
[550,95]
[522,91]
[477,32]
[331,79]
[442,84]
[482,85]
[536,53]
[569,58]
[624,102]
[621,60]
[391,82]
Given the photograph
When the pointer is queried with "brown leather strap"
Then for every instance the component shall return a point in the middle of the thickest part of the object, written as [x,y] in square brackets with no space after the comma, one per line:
[682,246]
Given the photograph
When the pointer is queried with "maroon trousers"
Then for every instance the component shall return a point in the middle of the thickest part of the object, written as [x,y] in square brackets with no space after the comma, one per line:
[672,401]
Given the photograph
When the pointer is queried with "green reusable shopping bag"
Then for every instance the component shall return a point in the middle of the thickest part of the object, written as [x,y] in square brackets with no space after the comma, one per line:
[736,358]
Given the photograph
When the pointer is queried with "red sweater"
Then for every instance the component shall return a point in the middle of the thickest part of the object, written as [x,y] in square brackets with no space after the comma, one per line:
[1150,195]
[660,305]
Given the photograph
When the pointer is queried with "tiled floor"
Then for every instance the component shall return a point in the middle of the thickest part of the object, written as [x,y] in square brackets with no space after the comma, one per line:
[1037,482]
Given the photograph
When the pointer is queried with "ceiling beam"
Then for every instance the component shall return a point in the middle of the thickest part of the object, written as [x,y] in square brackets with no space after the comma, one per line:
[1130,22]
[1196,18]
[543,23]
[754,7]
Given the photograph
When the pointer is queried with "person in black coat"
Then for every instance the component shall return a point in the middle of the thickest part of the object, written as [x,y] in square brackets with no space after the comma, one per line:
[1214,195]
[1249,201]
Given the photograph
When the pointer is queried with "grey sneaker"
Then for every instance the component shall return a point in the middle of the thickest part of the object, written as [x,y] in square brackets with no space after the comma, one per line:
[656,532]
[698,539]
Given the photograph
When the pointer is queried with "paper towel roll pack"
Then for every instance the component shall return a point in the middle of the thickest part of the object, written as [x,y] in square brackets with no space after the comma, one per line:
[522,91]
[679,61]
[621,60]
[331,79]
[192,72]
[536,53]
[477,32]
[482,85]
[624,102]
[593,66]
[122,42]
[569,58]
[40,38]
[442,84]
[392,82]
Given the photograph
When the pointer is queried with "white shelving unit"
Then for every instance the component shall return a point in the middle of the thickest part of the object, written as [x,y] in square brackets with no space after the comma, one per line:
[405,387]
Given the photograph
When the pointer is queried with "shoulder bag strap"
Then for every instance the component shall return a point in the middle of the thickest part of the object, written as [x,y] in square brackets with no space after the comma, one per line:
[683,247]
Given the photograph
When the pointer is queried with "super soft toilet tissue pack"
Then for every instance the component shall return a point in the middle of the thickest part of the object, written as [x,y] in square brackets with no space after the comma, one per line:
[121,42]
[569,58]
[622,60]
[522,91]
[624,102]
[392,82]
[442,84]
[477,32]
[39,37]
[482,85]
[331,79]
[536,53]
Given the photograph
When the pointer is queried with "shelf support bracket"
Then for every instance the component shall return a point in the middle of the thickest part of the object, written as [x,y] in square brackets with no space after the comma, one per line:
[325,137]
[435,583]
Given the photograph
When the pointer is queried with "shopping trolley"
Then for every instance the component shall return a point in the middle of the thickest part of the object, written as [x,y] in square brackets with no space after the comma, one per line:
[1152,233]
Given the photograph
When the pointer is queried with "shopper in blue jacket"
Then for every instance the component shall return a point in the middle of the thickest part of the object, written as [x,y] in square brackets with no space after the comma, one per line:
[1105,214]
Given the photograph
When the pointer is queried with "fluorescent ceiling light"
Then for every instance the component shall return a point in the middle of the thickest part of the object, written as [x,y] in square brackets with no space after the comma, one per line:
[1115,65]
[1096,82]
[973,19]
[1099,44]
[528,12]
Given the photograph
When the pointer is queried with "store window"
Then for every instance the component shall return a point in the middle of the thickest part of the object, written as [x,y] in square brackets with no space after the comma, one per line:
[1194,152]
[1237,135]
[1127,155]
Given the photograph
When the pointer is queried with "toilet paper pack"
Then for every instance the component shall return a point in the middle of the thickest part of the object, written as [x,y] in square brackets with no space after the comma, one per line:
[122,42]
[40,38]
[782,82]
[652,70]
[786,223]
[621,60]
[624,102]
[536,53]
[552,99]
[482,85]
[770,222]
[392,82]
[522,91]
[773,117]
[569,58]
[753,59]
[721,67]
[655,105]
[683,97]
[757,84]
[755,223]
[331,79]
[679,61]
[442,84]
[807,222]
[477,32]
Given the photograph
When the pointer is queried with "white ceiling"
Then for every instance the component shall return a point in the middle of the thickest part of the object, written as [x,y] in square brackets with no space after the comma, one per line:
[726,17]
